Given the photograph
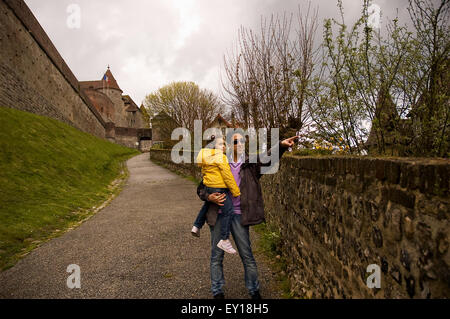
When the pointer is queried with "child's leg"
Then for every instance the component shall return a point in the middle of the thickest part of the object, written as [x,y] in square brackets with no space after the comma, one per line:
[201,217]
[225,216]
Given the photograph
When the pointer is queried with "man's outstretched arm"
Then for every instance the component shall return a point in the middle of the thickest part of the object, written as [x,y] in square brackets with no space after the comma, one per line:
[280,148]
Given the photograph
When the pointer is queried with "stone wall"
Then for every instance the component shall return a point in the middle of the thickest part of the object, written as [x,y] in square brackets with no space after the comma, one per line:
[33,75]
[131,137]
[338,215]
[145,145]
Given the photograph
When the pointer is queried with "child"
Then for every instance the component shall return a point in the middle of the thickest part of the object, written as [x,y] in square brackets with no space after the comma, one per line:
[217,178]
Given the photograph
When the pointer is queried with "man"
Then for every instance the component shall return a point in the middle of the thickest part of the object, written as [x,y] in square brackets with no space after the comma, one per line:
[248,210]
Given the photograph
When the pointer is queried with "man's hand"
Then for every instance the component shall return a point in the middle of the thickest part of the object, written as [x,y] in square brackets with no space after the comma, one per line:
[289,142]
[217,198]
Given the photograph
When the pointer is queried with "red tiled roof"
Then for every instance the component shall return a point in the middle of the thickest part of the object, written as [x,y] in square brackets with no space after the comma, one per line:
[111,80]
[220,119]
[93,85]
[111,83]
[132,107]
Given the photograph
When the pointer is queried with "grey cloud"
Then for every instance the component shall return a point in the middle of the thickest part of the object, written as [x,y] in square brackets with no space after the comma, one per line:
[141,39]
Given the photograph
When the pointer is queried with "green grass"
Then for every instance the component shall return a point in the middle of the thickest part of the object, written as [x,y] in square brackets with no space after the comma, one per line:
[269,244]
[51,176]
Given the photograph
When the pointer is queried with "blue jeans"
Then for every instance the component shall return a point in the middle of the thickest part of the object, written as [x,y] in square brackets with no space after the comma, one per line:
[225,215]
[201,217]
[241,237]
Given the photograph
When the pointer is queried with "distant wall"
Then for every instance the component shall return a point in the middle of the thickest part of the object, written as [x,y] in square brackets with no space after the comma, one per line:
[337,215]
[130,137]
[126,136]
[33,75]
[145,145]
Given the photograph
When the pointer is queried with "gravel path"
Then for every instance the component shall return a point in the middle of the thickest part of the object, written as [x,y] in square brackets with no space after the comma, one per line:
[139,246]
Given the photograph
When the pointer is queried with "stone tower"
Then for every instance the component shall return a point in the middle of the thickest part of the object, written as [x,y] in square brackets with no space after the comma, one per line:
[107,96]
[111,89]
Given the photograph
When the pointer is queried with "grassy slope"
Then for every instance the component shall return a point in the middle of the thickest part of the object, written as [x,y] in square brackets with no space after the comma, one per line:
[51,174]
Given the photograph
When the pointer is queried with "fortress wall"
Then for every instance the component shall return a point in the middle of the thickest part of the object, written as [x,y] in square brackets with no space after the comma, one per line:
[130,137]
[126,136]
[34,76]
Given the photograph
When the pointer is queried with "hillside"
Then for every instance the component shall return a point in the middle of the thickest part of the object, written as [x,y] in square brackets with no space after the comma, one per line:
[51,175]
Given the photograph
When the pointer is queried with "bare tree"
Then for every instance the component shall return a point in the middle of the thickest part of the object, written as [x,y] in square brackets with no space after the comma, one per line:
[269,72]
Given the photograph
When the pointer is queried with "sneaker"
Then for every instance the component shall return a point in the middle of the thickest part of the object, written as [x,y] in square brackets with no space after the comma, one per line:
[226,245]
[195,231]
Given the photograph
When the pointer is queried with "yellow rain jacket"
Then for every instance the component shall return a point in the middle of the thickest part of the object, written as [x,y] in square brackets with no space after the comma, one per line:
[216,170]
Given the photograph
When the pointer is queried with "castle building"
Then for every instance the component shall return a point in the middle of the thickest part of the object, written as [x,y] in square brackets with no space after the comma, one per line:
[124,119]
[35,78]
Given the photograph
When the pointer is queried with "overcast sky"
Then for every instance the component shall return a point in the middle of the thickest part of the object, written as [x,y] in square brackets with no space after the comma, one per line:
[150,43]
